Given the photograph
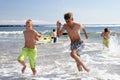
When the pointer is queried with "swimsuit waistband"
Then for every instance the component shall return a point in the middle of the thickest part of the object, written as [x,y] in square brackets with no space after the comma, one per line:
[77,41]
[30,48]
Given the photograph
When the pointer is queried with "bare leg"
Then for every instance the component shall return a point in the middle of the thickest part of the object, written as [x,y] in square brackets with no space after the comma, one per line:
[78,59]
[24,66]
[79,67]
[34,71]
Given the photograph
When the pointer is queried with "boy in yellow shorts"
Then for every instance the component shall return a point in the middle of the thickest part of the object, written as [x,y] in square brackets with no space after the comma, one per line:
[29,50]
[106,37]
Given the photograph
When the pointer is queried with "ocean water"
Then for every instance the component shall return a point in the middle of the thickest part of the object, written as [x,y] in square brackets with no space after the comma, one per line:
[54,61]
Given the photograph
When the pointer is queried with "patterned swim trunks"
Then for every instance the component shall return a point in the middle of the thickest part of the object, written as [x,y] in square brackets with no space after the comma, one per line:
[78,45]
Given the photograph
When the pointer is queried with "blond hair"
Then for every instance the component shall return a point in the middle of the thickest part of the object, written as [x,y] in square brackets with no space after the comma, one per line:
[29,21]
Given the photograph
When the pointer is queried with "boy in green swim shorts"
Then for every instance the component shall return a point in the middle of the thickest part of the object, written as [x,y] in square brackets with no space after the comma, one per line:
[106,37]
[29,50]
[106,42]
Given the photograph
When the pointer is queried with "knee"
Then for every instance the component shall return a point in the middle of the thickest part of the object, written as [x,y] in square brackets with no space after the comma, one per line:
[72,54]
[18,60]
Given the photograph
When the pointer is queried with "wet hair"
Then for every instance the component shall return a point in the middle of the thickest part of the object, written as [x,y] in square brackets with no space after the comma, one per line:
[106,30]
[29,21]
[68,15]
[53,30]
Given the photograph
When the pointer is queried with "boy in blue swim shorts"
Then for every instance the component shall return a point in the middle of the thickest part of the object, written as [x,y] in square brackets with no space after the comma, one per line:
[78,45]
[54,36]
[29,50]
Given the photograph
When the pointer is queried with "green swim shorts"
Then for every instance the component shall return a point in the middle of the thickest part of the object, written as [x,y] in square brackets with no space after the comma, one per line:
[106,42]
[31,54]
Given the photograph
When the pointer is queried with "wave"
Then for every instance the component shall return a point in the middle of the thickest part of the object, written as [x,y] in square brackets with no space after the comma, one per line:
[102,25]
[11,32]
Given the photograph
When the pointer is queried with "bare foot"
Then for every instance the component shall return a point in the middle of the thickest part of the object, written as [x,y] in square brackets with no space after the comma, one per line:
[79,67]
[34,71]
[87,69]
[23,69]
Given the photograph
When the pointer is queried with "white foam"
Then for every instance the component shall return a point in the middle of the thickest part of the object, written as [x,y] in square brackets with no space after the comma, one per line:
[55,63]
[11,32]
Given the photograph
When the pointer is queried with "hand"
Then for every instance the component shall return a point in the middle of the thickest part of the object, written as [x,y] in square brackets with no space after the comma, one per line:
[87,37]
[58,24]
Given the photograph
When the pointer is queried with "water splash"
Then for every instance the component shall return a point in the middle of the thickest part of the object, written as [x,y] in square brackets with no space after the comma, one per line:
[114,46]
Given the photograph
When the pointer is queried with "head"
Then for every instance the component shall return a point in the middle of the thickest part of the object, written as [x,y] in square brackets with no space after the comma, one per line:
[68,17]
[29,24]
[53,30]
[106,30]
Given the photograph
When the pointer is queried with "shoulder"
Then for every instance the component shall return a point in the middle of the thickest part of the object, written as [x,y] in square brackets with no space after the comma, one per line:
[24,31]
[34,31]
[79,25]
[102,33]
[75,23]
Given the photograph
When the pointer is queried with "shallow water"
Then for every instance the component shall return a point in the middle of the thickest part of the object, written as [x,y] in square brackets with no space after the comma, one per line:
[55,63]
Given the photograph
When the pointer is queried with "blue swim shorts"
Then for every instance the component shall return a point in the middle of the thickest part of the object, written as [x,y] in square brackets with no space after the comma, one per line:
[78,45]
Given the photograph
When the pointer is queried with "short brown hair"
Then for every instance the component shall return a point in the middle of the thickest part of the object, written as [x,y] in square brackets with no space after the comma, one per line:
[68,15]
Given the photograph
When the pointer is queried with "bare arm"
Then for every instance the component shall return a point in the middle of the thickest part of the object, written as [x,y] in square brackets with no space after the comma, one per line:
[38,36]
[102,34]
[59,30]
[84,30]
[115,32]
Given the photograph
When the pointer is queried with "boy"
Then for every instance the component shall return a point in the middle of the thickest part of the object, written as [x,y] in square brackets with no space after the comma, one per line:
[29,50]
[54,36]
[106,37]
[73,30]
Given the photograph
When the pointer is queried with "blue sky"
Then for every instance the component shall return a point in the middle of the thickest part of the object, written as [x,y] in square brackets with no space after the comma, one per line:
[49,11]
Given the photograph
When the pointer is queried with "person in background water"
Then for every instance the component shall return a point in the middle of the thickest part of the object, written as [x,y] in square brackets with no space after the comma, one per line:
[54,36]
[77,44]
[106,37]
[29,50]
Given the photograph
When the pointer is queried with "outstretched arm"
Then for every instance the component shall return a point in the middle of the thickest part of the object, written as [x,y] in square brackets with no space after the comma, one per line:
[102,34]
[59,30]
[114,32]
